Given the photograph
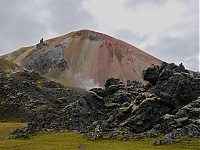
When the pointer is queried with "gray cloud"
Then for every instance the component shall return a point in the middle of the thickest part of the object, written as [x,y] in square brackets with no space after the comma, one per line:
[131,37]
[178,50]
[185,50]
[67,15]
[182,44]
[128,35]
[134,4]
[24,22]
[18,24]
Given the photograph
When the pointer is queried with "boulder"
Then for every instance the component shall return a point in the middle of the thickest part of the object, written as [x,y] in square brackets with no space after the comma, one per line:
[151,74]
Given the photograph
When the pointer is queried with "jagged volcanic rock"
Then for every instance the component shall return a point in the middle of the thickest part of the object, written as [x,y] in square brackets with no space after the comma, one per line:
[84,58]
[130,111]
[26,95]
[173,84]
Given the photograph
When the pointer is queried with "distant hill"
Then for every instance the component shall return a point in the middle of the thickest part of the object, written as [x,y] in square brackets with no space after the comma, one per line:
[84,59]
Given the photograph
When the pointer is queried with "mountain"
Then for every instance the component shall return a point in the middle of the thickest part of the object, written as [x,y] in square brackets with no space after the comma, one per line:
[84,59]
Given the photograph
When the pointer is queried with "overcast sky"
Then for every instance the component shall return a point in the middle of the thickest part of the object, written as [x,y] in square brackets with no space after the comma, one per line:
[167,29]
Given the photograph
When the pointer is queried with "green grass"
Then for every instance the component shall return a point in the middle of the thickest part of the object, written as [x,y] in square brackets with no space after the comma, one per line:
[72,140]
[6,65]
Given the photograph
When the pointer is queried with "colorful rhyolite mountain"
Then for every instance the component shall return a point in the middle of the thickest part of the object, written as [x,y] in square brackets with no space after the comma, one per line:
[84,58]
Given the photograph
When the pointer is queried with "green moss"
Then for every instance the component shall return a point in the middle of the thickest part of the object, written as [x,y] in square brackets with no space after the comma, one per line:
[135,108]
[111,52]
[8,75]
[126,109]
[118,54]
[110,105]
[95,95]
[151,99]
[40,109]
[168,116]
[127,94]
[40,82]
[124,123]
[152,66]
[106,136]
[133,100]
[181,121]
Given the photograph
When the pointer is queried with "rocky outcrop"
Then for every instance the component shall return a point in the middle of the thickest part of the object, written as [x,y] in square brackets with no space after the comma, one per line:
[173,84]
[156,73]
[24,95]
[168,105]
[44,64]
[41,44]
[185,122]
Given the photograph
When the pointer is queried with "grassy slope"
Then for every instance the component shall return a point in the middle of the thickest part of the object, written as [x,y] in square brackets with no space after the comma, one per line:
[72,141]
[6,65]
